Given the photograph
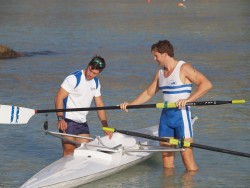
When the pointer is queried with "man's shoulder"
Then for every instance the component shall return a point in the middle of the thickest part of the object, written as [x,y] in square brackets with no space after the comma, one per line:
[74,78]
[76,73]
[185,65]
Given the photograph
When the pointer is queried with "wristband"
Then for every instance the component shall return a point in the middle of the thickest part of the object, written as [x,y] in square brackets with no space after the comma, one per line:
[60,118]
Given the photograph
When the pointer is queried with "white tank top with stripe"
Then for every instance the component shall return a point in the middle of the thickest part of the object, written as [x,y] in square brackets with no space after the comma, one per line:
[172,87]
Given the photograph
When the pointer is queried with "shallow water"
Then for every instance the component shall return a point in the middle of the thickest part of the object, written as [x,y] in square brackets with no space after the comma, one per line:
[212,35]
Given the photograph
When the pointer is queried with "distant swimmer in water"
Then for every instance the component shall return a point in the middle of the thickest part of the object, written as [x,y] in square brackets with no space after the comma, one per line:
[181,4]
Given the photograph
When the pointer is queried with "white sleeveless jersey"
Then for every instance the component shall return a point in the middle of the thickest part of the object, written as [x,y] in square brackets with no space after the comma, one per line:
[172,87]
[81,93]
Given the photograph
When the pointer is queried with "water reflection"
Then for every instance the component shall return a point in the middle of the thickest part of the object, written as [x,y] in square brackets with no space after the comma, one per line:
[171,180]
[187,179]
[168,172]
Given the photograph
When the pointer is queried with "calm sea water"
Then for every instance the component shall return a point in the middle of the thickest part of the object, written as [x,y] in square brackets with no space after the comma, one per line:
[212,35]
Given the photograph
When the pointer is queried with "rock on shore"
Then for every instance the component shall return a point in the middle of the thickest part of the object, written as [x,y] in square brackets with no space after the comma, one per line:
[7,53]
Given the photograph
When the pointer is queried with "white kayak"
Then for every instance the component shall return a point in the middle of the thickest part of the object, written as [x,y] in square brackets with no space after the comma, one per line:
[96,159]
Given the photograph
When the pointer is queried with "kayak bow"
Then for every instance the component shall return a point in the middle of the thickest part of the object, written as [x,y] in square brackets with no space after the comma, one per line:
[95,160]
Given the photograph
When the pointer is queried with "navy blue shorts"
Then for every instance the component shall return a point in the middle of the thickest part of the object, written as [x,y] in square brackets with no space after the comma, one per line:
[76,128]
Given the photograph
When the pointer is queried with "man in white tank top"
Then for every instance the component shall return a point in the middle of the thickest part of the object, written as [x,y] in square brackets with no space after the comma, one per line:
[174,79]
[77,91]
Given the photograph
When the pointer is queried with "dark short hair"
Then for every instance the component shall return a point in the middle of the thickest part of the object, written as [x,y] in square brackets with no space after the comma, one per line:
[163,46]
[97,63]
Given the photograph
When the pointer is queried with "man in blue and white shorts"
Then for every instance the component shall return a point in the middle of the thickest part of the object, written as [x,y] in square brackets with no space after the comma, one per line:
[174,79]
[77,91]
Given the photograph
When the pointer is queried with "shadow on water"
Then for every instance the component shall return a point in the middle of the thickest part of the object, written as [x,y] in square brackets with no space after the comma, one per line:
[30,54]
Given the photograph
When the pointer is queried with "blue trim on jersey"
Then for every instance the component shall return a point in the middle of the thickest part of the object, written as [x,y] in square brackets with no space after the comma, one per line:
[64,105]
[176,87]
[78,75]
[176,92]
[96,82]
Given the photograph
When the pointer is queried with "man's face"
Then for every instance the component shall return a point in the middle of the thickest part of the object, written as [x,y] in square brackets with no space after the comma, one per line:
[158,57]
[91,73]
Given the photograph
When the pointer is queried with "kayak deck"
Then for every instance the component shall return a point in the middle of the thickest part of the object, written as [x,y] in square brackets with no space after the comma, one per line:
[94,160]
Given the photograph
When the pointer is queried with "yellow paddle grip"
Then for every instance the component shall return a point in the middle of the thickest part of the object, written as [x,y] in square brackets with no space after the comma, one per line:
[160,105]
[174,141]
[170,105]
[238,101]
[165,105]
[108,129]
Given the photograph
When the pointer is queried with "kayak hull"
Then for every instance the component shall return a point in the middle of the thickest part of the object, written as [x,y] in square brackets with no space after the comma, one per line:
[95,160]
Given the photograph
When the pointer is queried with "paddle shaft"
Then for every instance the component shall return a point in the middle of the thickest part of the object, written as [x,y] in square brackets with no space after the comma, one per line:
[157,105]
[220,150]
[201,103]
[96,108]
[175,142]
